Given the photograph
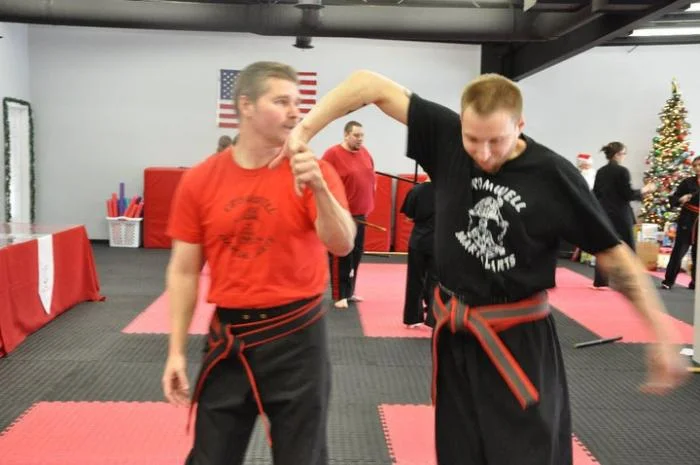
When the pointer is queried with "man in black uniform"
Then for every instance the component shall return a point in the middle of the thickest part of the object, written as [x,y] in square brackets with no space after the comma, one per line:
[503,201]
[686,195]
[419,206]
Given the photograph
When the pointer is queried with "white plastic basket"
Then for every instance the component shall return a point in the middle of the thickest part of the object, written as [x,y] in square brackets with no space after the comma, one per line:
[124,231]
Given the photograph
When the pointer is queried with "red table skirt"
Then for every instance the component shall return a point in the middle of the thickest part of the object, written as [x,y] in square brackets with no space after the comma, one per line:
[75,281]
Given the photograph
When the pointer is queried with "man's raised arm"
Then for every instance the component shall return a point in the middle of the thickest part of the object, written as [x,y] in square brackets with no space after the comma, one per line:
[360,89]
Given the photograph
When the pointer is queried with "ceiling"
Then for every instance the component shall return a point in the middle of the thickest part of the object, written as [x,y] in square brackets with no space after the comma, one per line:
[519,37]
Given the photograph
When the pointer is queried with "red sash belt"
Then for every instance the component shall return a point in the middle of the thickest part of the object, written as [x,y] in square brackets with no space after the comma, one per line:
[692,208]
[485,322]
[226,339]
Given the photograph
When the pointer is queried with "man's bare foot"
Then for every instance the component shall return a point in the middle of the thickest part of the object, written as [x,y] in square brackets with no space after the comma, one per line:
[356,298]
[342,303]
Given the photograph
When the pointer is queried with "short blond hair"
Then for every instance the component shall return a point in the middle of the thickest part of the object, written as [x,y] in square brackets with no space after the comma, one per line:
[252,80]
[492,92]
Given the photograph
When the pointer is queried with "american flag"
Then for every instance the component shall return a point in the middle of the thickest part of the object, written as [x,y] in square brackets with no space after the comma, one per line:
[225,114]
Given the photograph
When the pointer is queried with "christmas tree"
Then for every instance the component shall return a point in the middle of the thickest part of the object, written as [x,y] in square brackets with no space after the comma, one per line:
[669,162]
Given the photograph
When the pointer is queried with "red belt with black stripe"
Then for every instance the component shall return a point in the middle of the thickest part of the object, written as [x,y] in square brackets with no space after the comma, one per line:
[692,208]
[485,322]
[226,340]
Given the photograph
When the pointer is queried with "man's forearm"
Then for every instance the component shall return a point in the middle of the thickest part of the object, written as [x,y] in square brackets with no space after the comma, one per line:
[628,276]
[360,89]
[334,224]
[182,294]
[349,96]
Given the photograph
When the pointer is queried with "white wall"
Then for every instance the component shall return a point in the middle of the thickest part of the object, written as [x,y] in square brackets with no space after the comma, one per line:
[611,93]
[109,103]
[14,82]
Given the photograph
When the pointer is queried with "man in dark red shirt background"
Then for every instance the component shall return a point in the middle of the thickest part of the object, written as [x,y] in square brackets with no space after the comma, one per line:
[355,167]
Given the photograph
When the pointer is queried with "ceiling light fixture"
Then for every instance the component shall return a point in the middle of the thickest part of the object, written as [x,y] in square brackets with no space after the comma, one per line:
[666,32]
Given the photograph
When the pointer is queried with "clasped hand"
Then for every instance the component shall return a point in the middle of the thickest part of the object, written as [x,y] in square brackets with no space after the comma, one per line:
[304,165]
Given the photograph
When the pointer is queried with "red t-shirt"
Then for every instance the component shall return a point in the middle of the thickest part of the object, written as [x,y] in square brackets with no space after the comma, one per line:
[257,234]
[356,169]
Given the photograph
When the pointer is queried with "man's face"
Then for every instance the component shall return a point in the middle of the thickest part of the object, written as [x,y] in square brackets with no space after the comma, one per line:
[275,113]
[696,167]
[490,139]
[354,138]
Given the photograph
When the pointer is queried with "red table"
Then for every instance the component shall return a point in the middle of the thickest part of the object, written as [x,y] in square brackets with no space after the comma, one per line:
[159,186]
[75,279]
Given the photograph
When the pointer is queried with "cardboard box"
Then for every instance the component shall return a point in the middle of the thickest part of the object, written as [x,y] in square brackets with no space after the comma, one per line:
[648,253]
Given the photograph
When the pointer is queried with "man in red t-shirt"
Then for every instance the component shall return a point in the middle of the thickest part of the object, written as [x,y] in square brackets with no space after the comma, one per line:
[355,166]
[265,233]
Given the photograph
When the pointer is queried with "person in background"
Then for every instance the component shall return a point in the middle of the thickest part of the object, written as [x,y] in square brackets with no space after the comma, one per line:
[355,166]
[419,206]
[224,143]
[585,167]
[686,196]
[614,192]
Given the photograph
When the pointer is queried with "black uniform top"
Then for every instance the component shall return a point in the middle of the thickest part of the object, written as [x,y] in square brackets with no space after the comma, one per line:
[419,206]
[613,190]
[691,186]
[497,235]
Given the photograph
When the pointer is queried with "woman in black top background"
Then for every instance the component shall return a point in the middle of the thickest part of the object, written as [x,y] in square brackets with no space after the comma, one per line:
[614,191]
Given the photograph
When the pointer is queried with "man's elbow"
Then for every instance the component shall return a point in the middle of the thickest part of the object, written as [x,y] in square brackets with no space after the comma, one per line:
[372,85]
[341,245]
[339,251]
[363,76]
[342,249]
[176,271]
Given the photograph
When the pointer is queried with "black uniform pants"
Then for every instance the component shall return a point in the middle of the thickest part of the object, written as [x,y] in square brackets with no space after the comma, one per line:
[478,419]
[420,284]
[344,269]
[684,241]
[293,376]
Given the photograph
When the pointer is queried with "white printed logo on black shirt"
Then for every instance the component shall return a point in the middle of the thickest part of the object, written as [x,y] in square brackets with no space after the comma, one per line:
[488,227]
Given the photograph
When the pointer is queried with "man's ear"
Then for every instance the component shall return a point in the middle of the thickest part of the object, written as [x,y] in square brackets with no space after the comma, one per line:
[245,106]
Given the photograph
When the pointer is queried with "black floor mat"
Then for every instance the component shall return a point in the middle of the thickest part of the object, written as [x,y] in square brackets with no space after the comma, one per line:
[84,356]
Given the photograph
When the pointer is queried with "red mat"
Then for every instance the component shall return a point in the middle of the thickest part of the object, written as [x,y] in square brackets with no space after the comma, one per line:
[92,433]
[156,318]
[381,314]
[683,279]
[409,433]
[605,312]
